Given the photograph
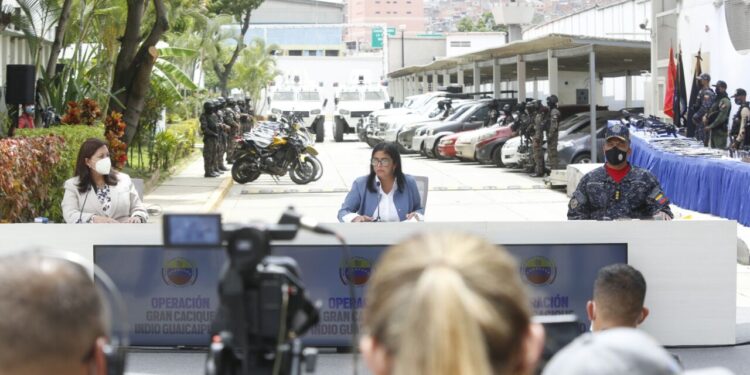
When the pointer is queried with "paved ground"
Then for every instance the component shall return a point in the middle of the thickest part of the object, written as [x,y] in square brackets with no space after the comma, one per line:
[458,192]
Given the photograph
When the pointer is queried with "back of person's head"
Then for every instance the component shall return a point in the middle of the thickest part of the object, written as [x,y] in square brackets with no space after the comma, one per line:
[619,292]
[51,316]
[448,304]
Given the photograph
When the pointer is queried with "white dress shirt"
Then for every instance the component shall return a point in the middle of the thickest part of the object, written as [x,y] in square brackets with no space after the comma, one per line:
[386,208]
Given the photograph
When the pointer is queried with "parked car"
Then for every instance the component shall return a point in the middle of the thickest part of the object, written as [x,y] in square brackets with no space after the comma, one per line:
[473,118]
[511,156]
[466,144]
[353,105]
[383,121]
[423,132]
[575,147]
[489,151]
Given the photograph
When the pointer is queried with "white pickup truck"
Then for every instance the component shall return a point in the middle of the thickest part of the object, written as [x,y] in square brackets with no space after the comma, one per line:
[305,102]
[353,105]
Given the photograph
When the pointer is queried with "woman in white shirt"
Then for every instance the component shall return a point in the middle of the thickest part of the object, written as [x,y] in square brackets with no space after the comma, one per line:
[386,194]
[98,193]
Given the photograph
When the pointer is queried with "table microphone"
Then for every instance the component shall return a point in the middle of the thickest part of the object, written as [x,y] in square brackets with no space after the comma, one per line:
[380,196]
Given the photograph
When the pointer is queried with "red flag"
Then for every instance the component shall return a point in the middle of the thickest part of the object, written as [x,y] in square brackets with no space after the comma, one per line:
[669,94]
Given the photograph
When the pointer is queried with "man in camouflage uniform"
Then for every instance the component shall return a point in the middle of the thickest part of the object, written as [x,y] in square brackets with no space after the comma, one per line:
[717,121]
[528,135]
[741,121]
[706,99]
[210,139]
[552,130]
[618,190]
[507,115]
[522,120]
[231,118]
[222,130]
[540,119]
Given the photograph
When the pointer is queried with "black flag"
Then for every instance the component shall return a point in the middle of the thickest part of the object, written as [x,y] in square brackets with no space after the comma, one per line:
[694,103]
[680,94]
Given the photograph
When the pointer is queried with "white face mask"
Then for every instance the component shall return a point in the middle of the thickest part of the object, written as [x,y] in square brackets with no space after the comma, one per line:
[103,166]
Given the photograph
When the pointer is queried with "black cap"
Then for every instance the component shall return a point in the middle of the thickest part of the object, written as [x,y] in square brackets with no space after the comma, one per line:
[721,83]
[705,77]
[740,92]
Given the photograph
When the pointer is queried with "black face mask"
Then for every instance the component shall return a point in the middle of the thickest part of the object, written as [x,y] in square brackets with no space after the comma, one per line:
[737,101]
[615,156]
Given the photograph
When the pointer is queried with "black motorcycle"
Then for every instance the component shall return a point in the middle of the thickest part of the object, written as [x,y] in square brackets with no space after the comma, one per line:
[275,148]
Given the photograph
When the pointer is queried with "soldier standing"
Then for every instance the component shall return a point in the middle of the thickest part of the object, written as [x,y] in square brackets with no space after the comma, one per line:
[741,121]
[223,130]
[552,130]
[507,115]
[230,118]
[718,120]
[522,121]
[530,133]
[706,100]
[210,138]
[618,190]
[539,121]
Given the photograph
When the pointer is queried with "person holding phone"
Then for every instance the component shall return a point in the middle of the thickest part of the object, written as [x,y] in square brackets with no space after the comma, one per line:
[386,194]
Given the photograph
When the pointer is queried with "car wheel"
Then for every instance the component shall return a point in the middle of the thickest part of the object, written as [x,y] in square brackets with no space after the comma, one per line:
[497,156]
[582,159]
[338,130]
[422,150]
[319,130]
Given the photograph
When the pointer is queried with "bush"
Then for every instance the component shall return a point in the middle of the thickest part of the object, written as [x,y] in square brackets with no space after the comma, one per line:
[71,136]
[175,143]
[28,166]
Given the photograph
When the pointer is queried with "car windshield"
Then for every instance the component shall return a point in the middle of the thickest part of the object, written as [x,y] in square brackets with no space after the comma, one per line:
[309,95]
[283,95]
[416,101]
[349,96]
[457,112]
[374,95]
[574,120]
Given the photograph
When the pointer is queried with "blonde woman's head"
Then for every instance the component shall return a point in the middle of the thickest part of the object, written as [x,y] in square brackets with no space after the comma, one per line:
[448,304]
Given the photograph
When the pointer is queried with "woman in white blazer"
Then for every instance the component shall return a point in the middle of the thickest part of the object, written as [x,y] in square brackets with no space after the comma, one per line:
[98,193]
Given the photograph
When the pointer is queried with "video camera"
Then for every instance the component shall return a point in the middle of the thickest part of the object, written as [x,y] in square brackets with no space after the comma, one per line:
[264,308]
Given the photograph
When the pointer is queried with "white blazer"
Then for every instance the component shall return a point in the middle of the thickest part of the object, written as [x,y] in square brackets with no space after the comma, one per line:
[125,201]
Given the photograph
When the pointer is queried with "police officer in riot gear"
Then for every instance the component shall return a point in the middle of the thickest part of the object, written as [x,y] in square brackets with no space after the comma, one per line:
[741,121]
[618,190]
[522,120]
[232,119]
[507,115]
[222,140]
[718,117]
[552,130]
[540,119]
[210,140]
[706,99]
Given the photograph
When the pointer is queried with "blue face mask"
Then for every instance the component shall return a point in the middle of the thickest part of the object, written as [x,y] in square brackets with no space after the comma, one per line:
[29,109]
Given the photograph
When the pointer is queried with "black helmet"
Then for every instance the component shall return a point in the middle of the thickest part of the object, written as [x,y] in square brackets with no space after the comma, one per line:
[506,108]
[207,105]
[231,101]
[222,101]
[552,99]
[521,106]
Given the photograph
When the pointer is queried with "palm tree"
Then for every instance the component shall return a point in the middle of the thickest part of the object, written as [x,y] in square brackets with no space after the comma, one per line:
[255,69]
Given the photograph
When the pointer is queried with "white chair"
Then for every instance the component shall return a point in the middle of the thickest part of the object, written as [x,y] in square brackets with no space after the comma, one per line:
[423,185]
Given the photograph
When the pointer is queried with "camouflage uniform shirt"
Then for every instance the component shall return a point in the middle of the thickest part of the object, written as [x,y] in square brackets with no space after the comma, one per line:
[599,197]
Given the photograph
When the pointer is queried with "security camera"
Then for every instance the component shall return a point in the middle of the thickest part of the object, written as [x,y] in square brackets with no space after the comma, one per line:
[643,25]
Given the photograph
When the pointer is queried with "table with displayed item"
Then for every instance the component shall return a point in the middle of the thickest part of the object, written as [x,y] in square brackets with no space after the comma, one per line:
[693,176]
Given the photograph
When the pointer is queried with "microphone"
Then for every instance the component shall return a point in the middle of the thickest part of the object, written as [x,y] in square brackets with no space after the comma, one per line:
[380,196]
[290,216]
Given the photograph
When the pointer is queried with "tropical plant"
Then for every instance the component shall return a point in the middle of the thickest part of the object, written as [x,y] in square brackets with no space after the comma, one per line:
[255,69]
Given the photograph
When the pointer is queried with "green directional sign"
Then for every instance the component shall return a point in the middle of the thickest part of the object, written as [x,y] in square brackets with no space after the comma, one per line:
[391,31]
[377,37]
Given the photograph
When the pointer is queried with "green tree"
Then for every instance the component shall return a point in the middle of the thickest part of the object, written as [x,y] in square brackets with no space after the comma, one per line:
[135,61]
[241,11]
[483,23]
[255,68]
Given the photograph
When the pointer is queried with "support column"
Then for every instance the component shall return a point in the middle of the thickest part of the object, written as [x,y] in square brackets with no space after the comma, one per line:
[592,103]
[496,79]
[460,75]
[434,81]
[535,88]
[425,85]
[446,77]
[552,73]
[521,78]
[628,90]
[477,79]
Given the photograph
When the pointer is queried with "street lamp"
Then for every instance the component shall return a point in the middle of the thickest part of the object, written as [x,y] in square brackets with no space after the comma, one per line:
[402,28]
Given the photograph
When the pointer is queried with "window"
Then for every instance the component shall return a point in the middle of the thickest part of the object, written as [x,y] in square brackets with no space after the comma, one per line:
[460,43]
[283,95]
[309,95]
[378,12]
[332,52]
[408,12]
[374,95]
[737,25]
[295,52]
[349,96]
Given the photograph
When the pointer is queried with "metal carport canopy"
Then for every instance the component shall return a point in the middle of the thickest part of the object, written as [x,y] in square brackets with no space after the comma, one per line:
[600,56]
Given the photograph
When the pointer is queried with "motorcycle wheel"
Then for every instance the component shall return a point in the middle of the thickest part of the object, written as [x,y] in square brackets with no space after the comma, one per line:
[318,165]
[303,173]
[243,173]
